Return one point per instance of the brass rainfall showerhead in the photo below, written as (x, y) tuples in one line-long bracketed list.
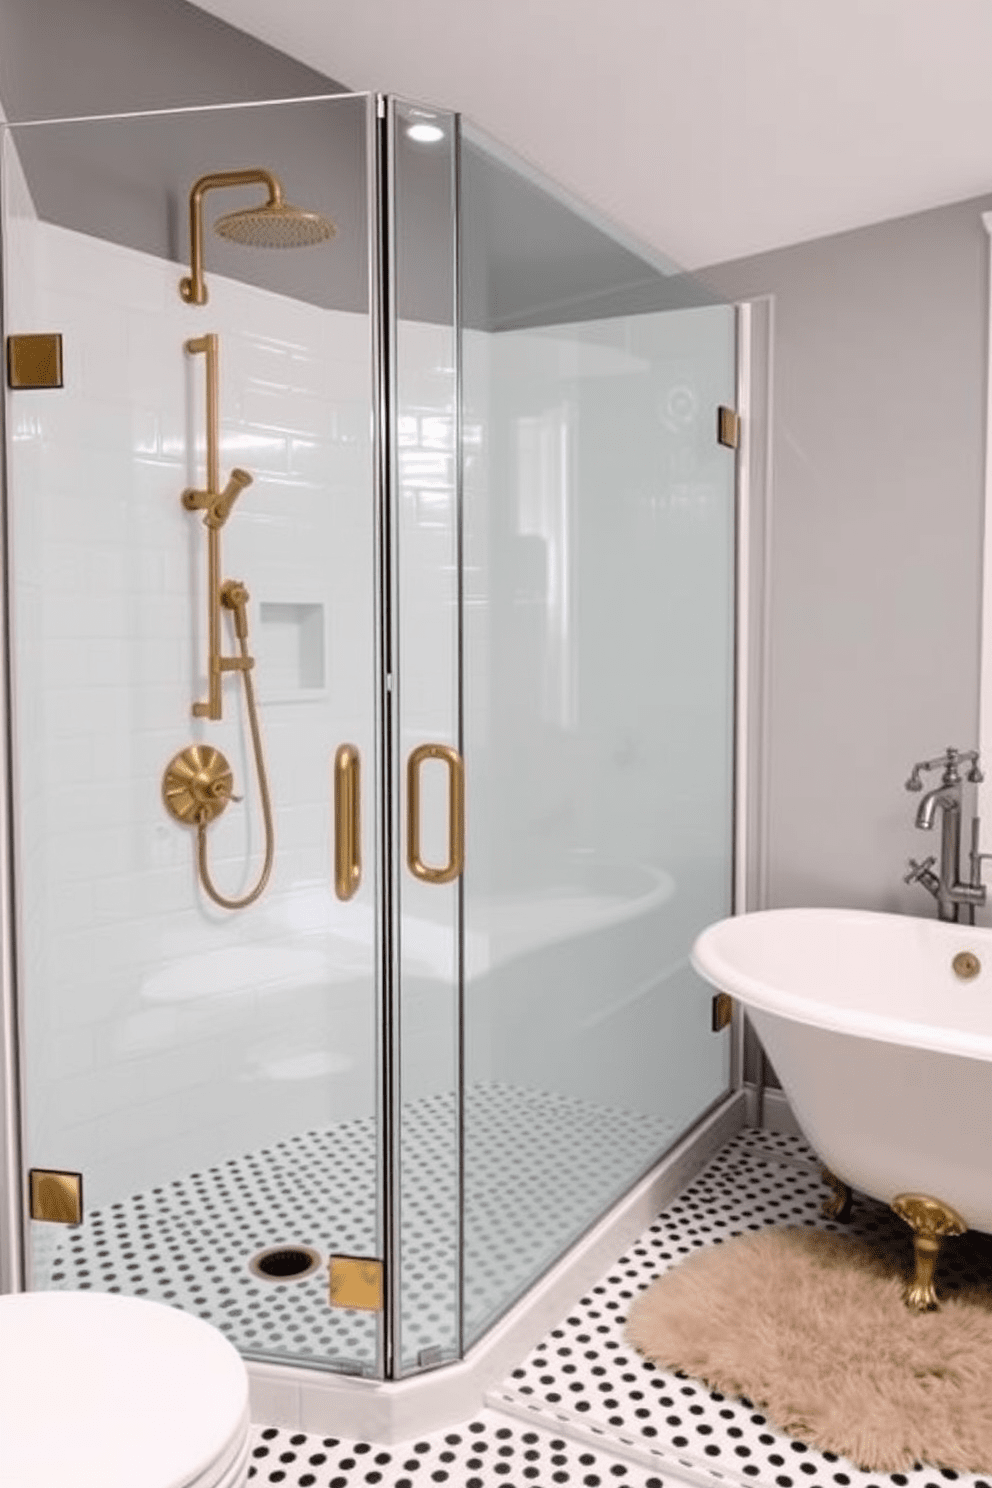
[(274, 224)]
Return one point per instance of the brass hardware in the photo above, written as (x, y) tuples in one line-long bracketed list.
[(456, 813), (355, 1281), (35, 361), (56, 1197), (728, 427), (275, 224), (931, 1221), (192, 288), (216, 505), (199, 806), (241, 630), (197, 785), (347, 821), (838, 1206), (966, 965), (196, 789), (282, 1263), (723, 1011)]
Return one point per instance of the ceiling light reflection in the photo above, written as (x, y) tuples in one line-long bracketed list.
[(425, 134)]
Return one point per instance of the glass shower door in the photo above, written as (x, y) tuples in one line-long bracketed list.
[(208, 1073), (598, 716)]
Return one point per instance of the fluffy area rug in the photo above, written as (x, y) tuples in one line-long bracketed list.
[(811, 1327)]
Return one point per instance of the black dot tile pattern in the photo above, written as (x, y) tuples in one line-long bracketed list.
[(490, 1451), (587, 1382), (539, 1166), (556, 1164)]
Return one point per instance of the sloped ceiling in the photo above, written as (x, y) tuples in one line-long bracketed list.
[(712, 129)]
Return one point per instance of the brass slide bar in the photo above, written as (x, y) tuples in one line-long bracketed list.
[(347, 822), (216, 504), (456, 813)]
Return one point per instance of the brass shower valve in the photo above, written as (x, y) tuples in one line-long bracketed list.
[(198, 785)]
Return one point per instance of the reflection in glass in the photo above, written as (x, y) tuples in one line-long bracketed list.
[(598, 688)]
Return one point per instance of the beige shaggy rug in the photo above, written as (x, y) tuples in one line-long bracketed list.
[(811, 1326)]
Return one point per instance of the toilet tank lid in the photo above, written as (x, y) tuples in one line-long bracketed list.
[(96, 1378)]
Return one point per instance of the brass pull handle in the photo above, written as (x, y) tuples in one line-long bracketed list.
[(347, 822), (456, 813)]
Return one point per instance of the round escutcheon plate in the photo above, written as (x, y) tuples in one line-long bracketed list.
[(197, 784)]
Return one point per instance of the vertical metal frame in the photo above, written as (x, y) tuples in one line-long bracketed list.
[(382, 285), (741, 611), (983, 795), (754, 321), (456, 246), (13, 1211)]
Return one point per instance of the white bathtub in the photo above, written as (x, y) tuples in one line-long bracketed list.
[(884, 1053)]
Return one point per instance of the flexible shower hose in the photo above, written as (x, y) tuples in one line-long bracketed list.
[(263, 788)]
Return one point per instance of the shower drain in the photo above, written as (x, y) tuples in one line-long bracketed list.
[(284, 1262)]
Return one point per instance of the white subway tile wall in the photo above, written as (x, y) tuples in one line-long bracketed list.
[(164, 1034)]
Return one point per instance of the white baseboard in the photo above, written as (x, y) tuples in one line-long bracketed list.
[(392, 1411)]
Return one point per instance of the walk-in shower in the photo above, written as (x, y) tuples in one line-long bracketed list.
[(462, 455)]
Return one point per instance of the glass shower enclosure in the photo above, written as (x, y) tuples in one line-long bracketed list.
[(370, 647)]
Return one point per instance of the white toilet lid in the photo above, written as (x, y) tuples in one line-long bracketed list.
[(104, 1391)]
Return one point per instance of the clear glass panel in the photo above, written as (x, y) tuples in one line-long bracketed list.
[(211, 1072), (426, 562), (598, 716)]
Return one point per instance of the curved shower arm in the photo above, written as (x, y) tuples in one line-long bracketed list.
[(191, 287)]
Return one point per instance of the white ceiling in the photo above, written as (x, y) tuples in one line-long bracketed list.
[(709, 128)]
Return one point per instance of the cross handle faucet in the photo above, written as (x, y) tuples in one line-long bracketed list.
[(956, 897)]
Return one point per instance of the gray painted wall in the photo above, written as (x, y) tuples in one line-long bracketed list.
[(879, 385), (108, 56), (534, 259)]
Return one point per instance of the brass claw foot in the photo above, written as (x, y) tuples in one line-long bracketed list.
[(930, 1221), (839, 1206)]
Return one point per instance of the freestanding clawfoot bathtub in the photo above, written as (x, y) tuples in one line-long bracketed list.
[(880, 1029)]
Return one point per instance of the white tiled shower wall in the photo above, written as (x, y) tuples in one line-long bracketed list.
[(163, 1033)]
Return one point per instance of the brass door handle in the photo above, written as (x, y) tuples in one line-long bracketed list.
[(456, 813), (347, 822)]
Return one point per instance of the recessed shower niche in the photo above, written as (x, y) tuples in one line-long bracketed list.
[(456, 1022), (291, 650)]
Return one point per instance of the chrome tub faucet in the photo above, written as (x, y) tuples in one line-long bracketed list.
[(956, 899)]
